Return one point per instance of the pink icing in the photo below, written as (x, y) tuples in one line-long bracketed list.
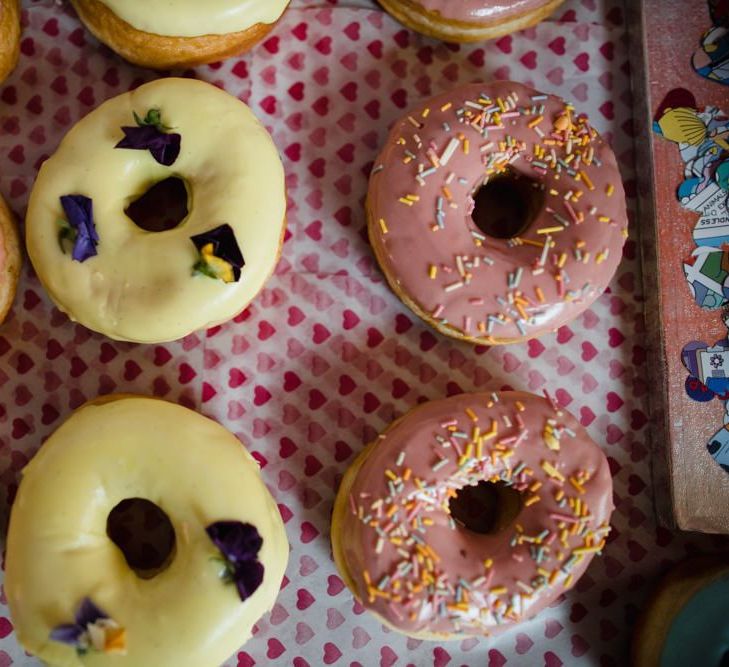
[(483, 305), (402, 469), (480, 10)]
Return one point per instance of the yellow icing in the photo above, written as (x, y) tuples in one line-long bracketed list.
[(193, 18), (140, 286), (58, 551)]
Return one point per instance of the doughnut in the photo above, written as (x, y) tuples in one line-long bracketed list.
[(74, 597), (98, 227), (496, 212), (9, 36), (684, 622), (10, 259), (471, 514), (167, 35), (469, 20)]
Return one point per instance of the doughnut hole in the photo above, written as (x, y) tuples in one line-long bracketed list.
[(162, 207), (507, 205), (486, 508), (144, 534)]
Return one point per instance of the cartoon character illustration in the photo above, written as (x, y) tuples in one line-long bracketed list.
[(718, 447), (711, 60), (708, 378), (702, 137), (707, 274), (722, 175), (708, 368)]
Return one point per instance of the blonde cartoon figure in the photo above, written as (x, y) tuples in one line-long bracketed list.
[(711, 60), (702, 138)]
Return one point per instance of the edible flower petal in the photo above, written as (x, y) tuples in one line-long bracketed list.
[(248, 578), (68, 633), (220, 255), (81, 228), (164, 147), (150, 134), (88, 613), (239, 543), (93, 630), (214, 267), (115, 641)]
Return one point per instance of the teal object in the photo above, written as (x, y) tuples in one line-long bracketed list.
[(722, 175), (699, 634)]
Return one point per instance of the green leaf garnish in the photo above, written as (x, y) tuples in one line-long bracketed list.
[(227, 571), (219, 254), (66, 234), (202, 268), (153, 118)]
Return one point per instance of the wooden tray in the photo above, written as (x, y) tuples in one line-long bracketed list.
[(691, 489)]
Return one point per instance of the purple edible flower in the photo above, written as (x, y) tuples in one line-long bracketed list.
[(248, 578), (239, 543), (80, 215), (149, 134), (70, 633), (219, 244), (164, 147)]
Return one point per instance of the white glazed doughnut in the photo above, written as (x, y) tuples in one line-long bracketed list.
[(164, 35), (140, 286), (59, 553), (192, 18)]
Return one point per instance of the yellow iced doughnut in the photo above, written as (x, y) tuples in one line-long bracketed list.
[(74, 597), (165, 34), (213, 160)]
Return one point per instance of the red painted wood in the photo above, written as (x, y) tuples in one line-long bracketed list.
[(691, 490)]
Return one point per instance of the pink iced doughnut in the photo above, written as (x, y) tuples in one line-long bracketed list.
[(471, 514), (469, 20), (496, 212)]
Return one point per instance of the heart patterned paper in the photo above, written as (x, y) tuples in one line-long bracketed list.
[(327, 356)]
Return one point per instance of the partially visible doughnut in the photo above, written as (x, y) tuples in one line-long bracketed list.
[(397, 536), (9, 36), (469, 20), (10, 259), (163, 35), (684, 622)]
